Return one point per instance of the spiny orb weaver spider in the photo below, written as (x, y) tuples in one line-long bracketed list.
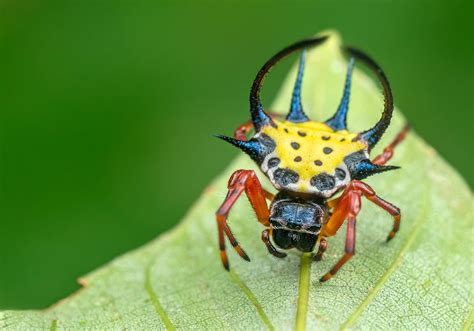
[(308, 163)]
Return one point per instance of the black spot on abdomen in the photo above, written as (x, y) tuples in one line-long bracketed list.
[(323, 182), (340, 174), (327, 150), (295, 145), (284, 177), (273, 162)]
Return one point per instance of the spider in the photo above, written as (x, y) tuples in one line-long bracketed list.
[(308, 163)]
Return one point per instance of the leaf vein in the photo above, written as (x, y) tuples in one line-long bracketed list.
[(247, 291), (156, 303), (261, 313), (54, 325), (468, 323)]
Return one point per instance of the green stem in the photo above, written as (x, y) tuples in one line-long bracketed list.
[(303, 292)]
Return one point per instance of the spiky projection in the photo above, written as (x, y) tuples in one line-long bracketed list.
[(338, 121), (296, 114)]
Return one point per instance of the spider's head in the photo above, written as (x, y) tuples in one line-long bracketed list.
[(303, 156), (296, 222)]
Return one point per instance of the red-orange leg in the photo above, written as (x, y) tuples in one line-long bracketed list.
[(333, 202), (370, 194), (269, 196), (323, 246), (241, 132), (352, 201), (348, 206), (388, 151), (240, 181)]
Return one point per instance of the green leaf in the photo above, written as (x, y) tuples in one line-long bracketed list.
[(420, 280)]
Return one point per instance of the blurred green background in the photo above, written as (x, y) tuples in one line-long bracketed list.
[(107, 110)]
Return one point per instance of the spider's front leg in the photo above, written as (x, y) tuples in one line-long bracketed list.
[(348, 206), (389, 150), (240, 181), (370, 195)]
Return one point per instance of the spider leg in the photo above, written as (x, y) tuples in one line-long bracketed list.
[(323, 246), (370, 194), (333, 202), (388, 151), (348, 206), (269, 196), (241, 132), (353, 209), (340, 210), (271, 249), (240, 181)]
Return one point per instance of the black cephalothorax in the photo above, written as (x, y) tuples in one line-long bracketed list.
[(297, 222)]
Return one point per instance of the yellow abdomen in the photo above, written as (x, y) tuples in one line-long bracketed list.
[(309, 157)]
